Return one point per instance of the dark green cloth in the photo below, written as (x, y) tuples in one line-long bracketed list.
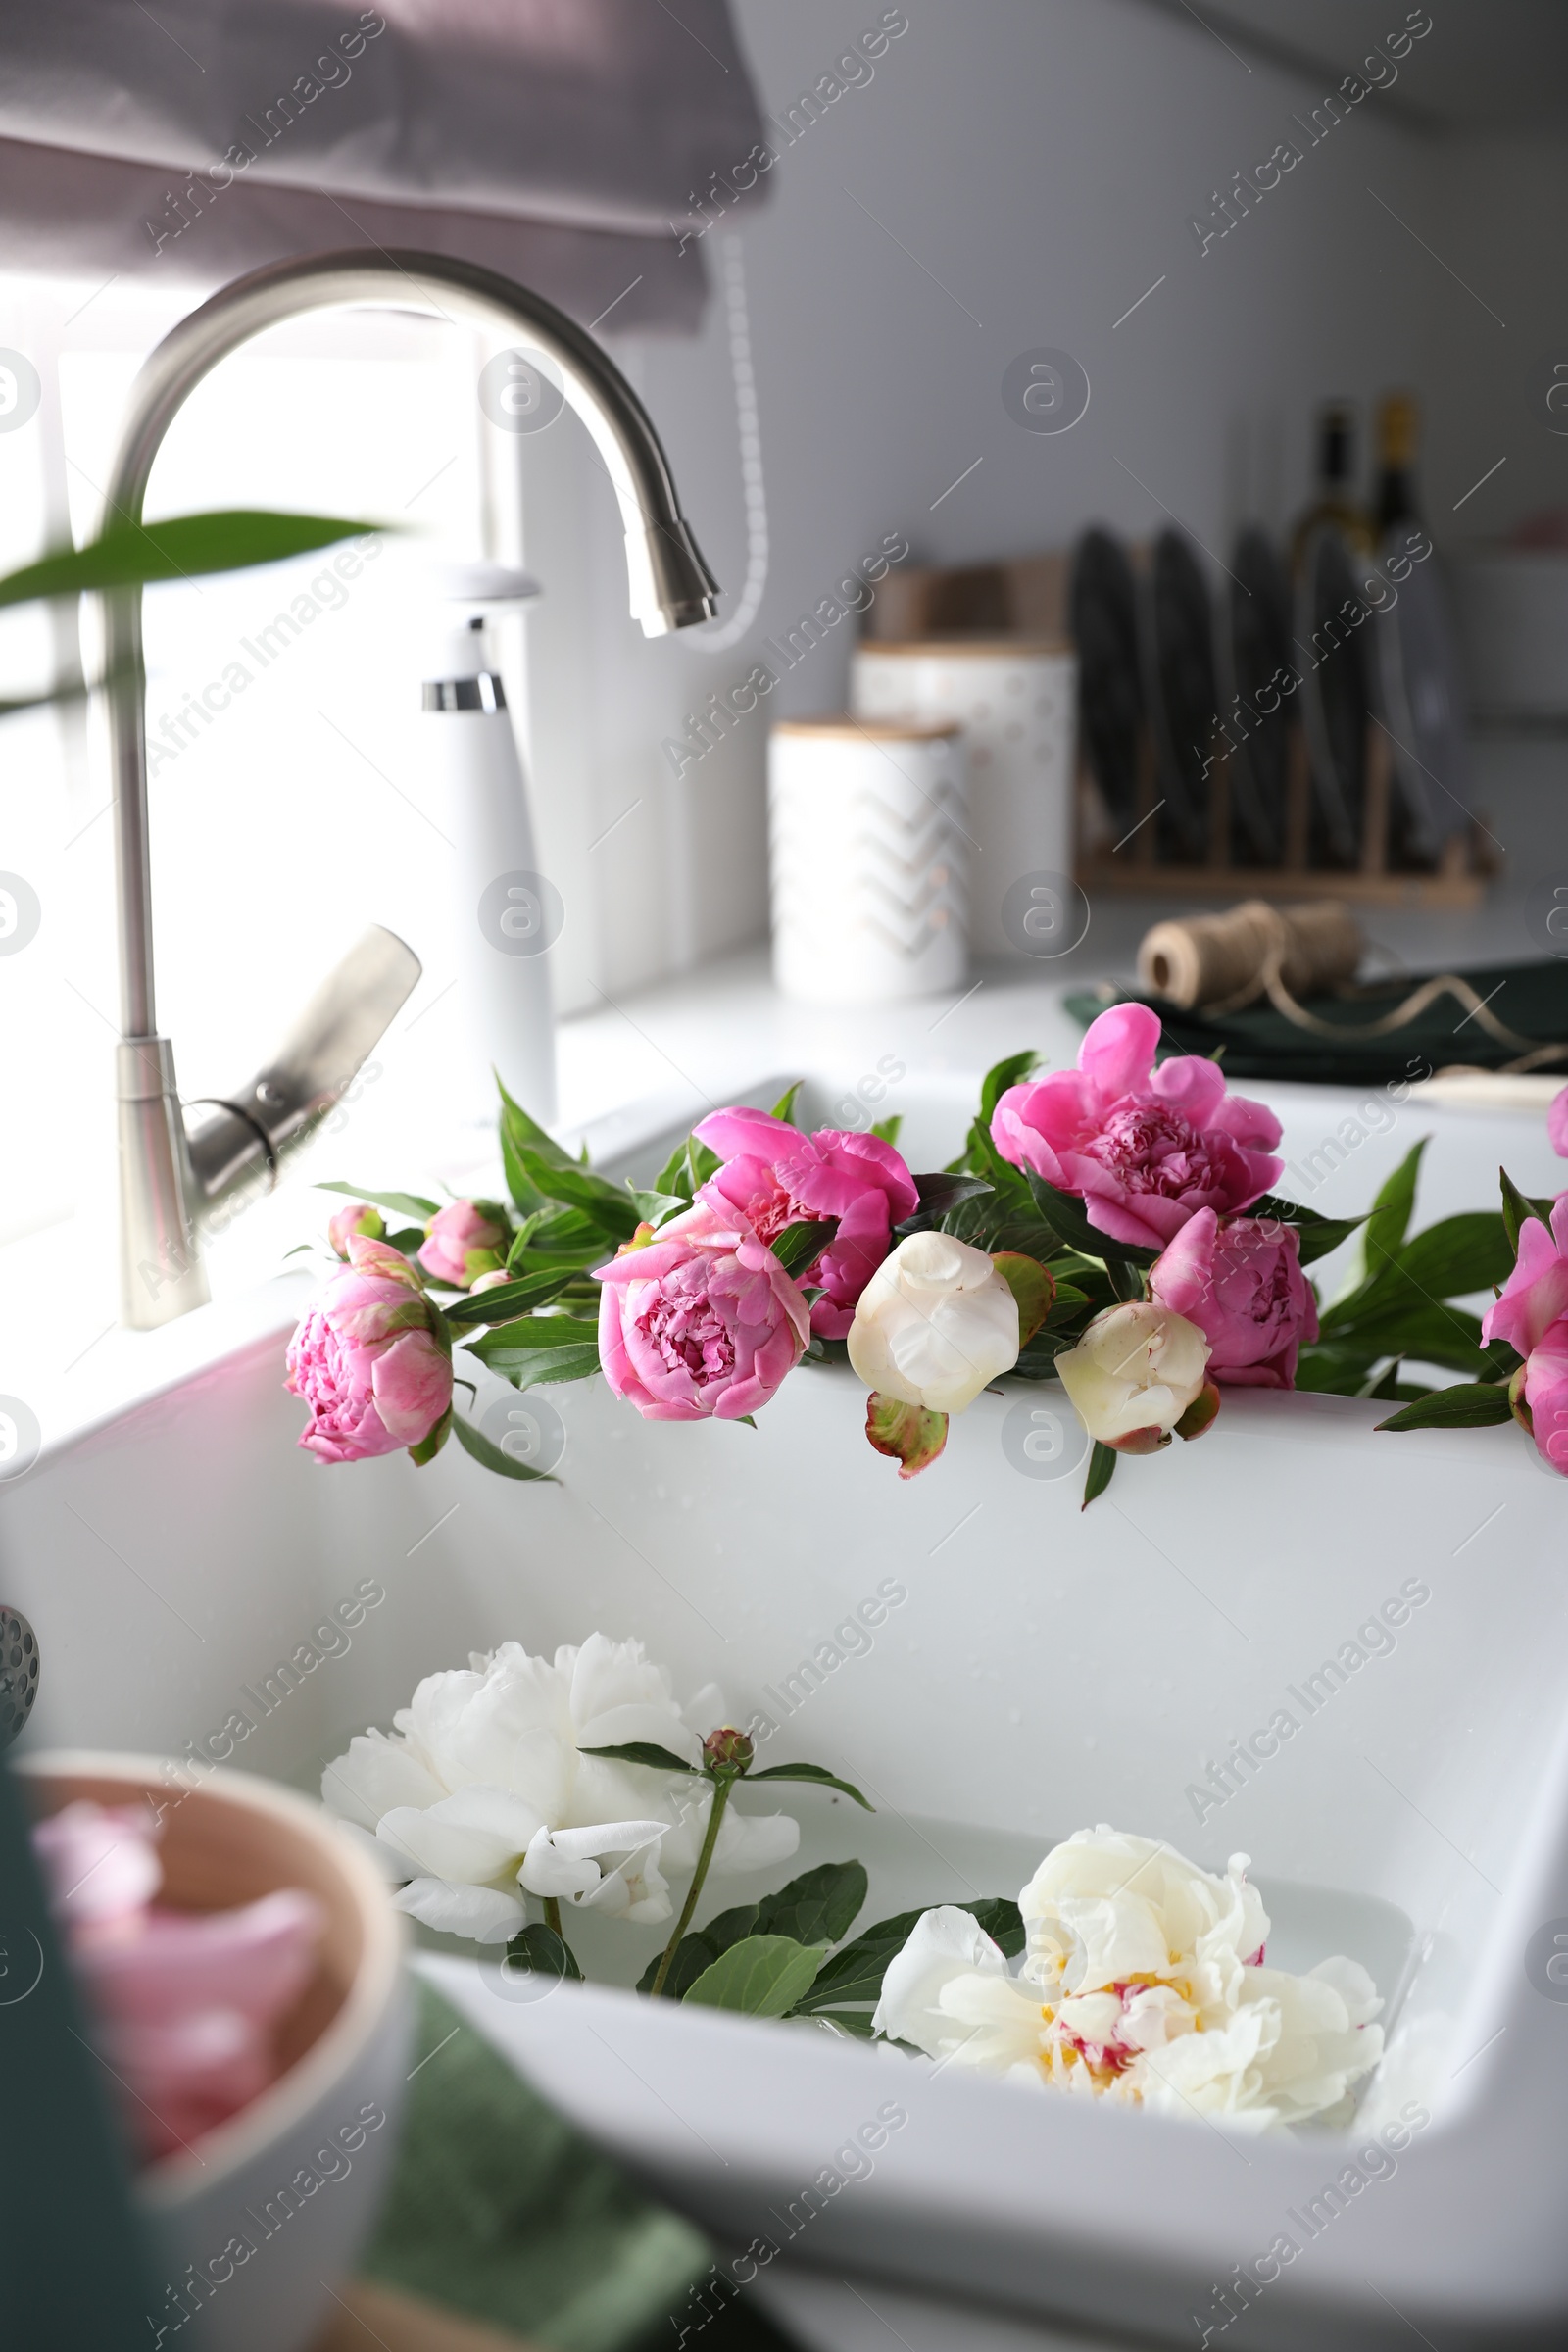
[(76, 2271), (500, 2209), (1531, 999)]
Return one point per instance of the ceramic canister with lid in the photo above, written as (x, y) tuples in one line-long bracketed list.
[(869, 835), (1015, 699)]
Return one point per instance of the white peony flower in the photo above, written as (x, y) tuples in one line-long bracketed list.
[(1143, 1980), (1135, 1372), (482, 1794), (934, 1324)]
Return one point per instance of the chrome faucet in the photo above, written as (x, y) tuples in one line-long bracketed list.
[(175, 1181)]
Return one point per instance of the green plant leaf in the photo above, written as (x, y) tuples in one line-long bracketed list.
[(784, 1107), (542, 1951), (818, 1907), (699, 1951), (527, 1133), (886, 1131), (529, 1332), (1067, 1218), (1454, 1258), (1102, 1470), (1392, 1207), (405, 1205), (474, 1441), (799, 1245), (504, 1299), (654, 1207), (856, 1973), (609, 1205), (130, 554), (1518, 1208), (1003, 1074), (939, 1193), (763, 1975), (1475, 1404), (1033, 1288), (549, 1367), (644, 1751), (908, 1433), (1315, 1235), (809, 1772)]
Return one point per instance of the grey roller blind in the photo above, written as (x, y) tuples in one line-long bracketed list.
[(564, 140)]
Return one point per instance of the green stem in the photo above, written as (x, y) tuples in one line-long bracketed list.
[(721, 1789), (553, 1915)]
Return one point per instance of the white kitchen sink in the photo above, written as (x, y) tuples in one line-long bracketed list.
[(1048, 1669)]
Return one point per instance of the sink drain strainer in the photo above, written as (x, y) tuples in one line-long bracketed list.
[(19, 1673)]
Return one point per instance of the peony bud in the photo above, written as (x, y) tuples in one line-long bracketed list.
[(460, 1241), (935, 1323), (1134, 1374), (728, 1750), (358, 1218), (491, 1281)]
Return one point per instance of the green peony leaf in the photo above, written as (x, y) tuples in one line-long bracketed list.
[(784, 1107), (763, 1975), (699, 1950), (906, 1433), (474, 1441), (542, 1951), (1477, 1404), (1003, 1074), (809, 1772), (405, 1205), (506, 1300), (1102, 1470), (800, 1244), (643, 1751), (129, 554), (818, 1907)]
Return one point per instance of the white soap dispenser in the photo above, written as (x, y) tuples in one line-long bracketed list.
[(507, 915)]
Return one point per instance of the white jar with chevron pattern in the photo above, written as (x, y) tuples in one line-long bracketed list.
[(1015, 698), (869, 830)]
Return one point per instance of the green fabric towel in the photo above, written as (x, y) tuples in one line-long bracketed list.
[(499, 2209), (1531, 999)]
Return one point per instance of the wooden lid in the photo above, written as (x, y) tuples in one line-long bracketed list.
[(982, 649), (870, 730)]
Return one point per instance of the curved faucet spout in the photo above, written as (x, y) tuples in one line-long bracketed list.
[(670, 588)]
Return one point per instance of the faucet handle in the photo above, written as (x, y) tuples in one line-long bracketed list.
[(239, 1148)]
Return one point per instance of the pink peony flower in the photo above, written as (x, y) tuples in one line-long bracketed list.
[(368, 1361), (1145, 1148), (1532, 1314), (358, 1218), (1557, 1124), (183, 2002), (1242, 1284), (776, 1176), (460, 1241), (699, 1320)]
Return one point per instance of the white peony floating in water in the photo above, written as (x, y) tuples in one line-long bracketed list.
[(482, 1792), (1143, 1979)]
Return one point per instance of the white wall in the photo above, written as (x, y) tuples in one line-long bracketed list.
[(1041, 159)]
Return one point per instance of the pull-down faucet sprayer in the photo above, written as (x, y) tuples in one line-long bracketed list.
[(171, 1183)]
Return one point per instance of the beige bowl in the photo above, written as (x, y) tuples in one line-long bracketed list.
[(252, 2225)]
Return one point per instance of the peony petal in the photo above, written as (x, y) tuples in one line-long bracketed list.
[(944, 1944), (479, 1835), (481, 1913), (1118, 1050), (376, 1775)]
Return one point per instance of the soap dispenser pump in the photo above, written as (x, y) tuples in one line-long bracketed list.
[(508, 914)]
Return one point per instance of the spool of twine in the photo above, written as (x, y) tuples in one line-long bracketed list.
[(1219, 962)]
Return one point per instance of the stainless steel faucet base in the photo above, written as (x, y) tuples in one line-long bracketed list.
[(172, 1186)]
